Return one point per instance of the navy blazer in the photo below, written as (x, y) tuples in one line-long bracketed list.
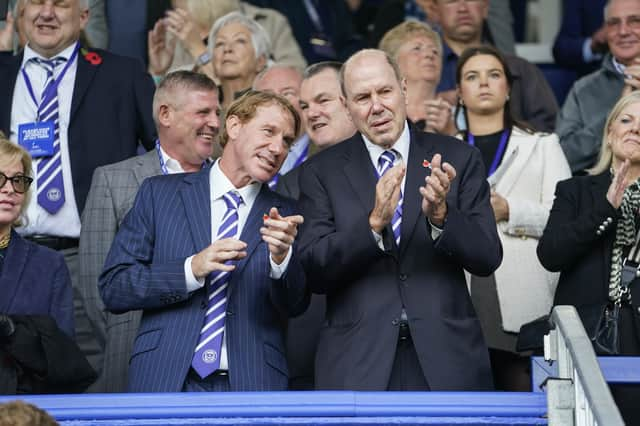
[(580, 19), (35, 281), (367, 287), (170, 221), (110, 113)]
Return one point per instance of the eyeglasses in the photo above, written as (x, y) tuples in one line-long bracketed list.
[(20, 183), (631, 21)]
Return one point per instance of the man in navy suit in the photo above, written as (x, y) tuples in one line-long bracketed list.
[(399, 315), (95, 110), (174, 258)]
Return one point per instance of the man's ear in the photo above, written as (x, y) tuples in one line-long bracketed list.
[(165, 115), (233, 126)]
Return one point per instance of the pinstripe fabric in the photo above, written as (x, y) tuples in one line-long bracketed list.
[(112, 193), (171, 220)]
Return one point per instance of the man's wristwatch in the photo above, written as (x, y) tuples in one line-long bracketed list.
[(204, 59)]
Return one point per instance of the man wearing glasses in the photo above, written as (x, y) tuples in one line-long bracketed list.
[(581, 120)]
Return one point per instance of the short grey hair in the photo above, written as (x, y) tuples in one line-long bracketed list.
[(179, 82), (259, 37)]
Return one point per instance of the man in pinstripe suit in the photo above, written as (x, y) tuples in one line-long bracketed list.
[(185, 110), (166, 253)]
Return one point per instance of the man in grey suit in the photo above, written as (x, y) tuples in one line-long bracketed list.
[(186, 113)]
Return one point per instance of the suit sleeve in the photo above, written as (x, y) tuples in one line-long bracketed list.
[(99, 226), (529, 212), (580, 136), (62, 303), (538, 103), (572, 228), (470, 236), (290, 294), (131, 279), (143, 90), (330, 255), (567, 47)]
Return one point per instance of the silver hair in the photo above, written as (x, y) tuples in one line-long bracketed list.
[(259, 37)]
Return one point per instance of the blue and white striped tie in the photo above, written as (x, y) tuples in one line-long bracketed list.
[(385, 162), (206, 358), (49, 169)]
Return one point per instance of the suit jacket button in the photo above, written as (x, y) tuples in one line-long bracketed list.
[(203, 305), (403, 277), (395, 321), (638, 309), (229, 313)]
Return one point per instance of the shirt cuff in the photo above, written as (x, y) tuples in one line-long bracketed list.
[(193, 283), (435, 230), (587, 53), (277, 271), (378, 238)]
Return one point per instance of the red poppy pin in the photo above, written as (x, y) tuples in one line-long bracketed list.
[(92, 57), (426, 164)]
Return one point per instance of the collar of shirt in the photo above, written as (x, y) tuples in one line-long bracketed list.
[(401, 147), (618, 66), (173, 165), (29, 54), (220, 185)]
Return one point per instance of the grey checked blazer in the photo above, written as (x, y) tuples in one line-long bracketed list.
[(113, 190)]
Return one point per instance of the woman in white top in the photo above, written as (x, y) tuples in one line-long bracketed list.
[(523, 167)]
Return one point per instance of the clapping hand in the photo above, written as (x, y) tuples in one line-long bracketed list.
[(434, 192)]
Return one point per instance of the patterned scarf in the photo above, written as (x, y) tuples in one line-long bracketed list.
[(625, 237)]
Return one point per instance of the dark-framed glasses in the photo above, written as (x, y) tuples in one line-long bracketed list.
[(20, 183)]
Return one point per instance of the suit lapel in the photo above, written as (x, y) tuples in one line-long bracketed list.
[(419, 150), (196, 200), (12, 270), (148, 165), (251, 230), (7, 86), (520, 147), (362, 177), (84, 76)]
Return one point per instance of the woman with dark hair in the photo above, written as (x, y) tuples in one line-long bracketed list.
[(523, 167), (592, 236)]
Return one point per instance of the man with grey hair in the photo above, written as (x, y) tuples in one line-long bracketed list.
[(581, 121), (186, 112), (393, 218), (74, 109)]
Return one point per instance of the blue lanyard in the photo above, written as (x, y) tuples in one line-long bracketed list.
[(163, 166), (499, 152), (53, 88)]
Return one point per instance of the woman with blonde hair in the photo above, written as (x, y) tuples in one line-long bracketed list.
[(592, 240), (417, 49), (34, 279)]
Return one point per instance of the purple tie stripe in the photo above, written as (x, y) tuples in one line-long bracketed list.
[(385, 163), (206, 357), (50, 185)]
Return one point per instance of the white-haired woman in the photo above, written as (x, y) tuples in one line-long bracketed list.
[(240, 49)]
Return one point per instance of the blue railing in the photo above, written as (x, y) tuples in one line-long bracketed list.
[(303, 408)]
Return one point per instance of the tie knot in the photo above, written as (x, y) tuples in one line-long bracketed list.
[(49, 65), (385, 162), (233, 200)]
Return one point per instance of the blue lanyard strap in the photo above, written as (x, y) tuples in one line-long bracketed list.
[(52, 88), (499, 152)]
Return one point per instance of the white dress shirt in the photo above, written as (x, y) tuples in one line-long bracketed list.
[(220, 185), (66, 222)]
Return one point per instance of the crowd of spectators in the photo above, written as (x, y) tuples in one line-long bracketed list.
[(99, 97)]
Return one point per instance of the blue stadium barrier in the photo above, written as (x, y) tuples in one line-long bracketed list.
[(616, 369), (295, 408)]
